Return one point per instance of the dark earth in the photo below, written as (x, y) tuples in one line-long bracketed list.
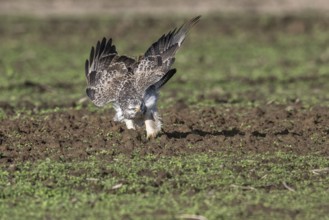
[(77, 134)]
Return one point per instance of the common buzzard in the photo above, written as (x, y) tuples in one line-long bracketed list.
[(132, 85)]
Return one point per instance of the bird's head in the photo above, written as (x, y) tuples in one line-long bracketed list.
[(133, 108)]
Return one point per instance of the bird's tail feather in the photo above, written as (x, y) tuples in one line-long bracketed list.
[(165, 79)]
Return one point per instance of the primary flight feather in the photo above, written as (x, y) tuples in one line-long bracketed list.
[(132, 85)]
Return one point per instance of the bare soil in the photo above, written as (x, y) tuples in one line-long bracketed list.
[(77, 134)]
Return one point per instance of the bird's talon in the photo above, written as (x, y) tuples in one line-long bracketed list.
[(151, 136)]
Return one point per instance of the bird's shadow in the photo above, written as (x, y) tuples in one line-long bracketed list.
[(226, 133)]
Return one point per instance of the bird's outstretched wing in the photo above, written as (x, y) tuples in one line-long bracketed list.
[(106, 73), (155, 65)]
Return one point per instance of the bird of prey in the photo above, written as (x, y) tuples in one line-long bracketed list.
[(132, 85)]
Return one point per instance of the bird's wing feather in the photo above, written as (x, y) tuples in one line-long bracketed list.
[(106, 73), (158, 59), (168, 44)]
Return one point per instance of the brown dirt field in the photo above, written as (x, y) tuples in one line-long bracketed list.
[(77, 134)]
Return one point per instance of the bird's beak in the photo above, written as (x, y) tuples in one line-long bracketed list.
[(138, 109)]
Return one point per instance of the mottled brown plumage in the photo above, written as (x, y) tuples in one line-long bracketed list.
[(133, 85)]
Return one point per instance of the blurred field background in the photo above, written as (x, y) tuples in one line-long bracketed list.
[(245, 118), (157, 7)]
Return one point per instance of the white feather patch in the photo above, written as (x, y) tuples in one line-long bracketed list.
[(150, 101), (119, 115)]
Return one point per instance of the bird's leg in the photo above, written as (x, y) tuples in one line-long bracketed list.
[(130, 124), (150, 128), (157, 120), (153, 125)]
